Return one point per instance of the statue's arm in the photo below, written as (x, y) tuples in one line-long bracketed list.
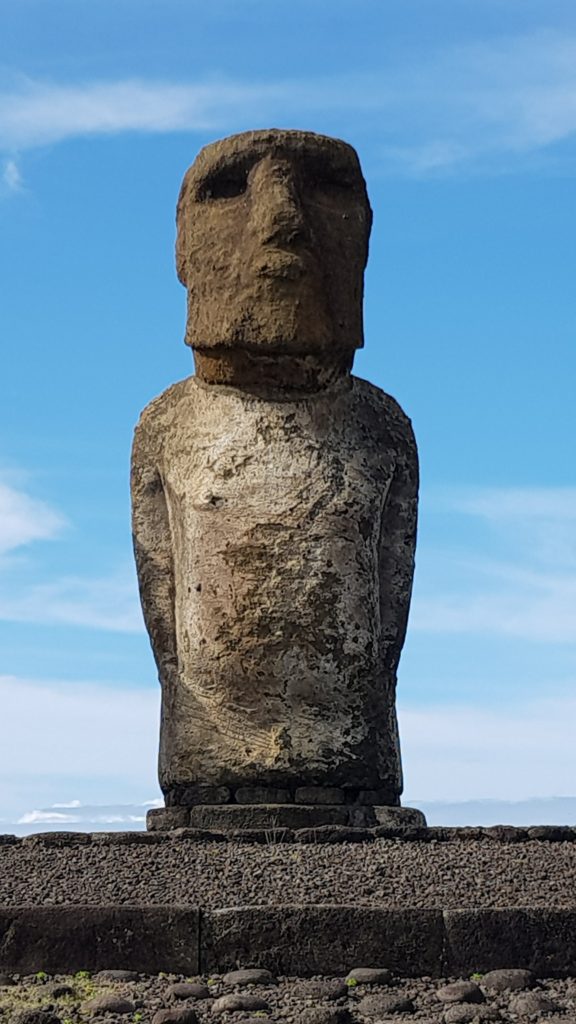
[(398, 545), (153, 548)]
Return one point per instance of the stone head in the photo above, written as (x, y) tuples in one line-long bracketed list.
[(272, 242)]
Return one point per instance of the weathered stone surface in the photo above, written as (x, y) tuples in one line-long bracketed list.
[(319, 795), (370, 976), (532, 1004), (109, 1004), (164, 819), (543, 941), (465, 1013), (262, 795), (238, 1001), (263, 816), (178, 1015), (188, 990), (111, 975), (274, 495), (249, 976), (190, 796), (324, 1015), (321, 990), (460, 992), (383, 1003), (313, 940), (508, 980), (65, 939), (399, 817)]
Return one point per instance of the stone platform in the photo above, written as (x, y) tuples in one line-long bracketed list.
[(275, 819), (421, 901)]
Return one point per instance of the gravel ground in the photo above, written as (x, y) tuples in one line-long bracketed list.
[(386, 872), (505, 996)]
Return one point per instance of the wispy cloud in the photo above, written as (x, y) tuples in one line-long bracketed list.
[(11, 180), (513, 751), (515, 579), (78, 732), (24, 519), (484, 105), (107, 603)]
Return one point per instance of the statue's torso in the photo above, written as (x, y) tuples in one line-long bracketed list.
[(275, 512)]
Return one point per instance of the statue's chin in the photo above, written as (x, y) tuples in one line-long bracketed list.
[(267, 372)]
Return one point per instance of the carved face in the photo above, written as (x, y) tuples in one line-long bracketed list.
[(272, 242)]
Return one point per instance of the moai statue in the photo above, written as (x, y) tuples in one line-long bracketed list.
[(274, 504)]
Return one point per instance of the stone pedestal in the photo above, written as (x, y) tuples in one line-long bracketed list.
[(273, 817)]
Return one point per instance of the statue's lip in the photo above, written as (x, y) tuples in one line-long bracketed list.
[(280, 263)]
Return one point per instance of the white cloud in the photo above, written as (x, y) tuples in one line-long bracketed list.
[(109, 603), (24, 519), (480, 105), (78, 732), (516, 580), (11, 177), (512, 751)]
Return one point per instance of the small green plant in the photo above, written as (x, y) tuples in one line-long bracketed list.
[(137, 1017), (67, 1020), (476, 976), (82, 975), (41, 976), (211, 981), (351, 982)]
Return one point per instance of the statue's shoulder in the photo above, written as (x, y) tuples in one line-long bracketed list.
[(386, 414), (163, 408)]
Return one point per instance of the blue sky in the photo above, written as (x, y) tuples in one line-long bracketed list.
[(464, 116)]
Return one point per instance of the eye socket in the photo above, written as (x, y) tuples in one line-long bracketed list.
[(224, 185)]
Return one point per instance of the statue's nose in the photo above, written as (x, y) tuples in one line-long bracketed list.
[(276, 208)]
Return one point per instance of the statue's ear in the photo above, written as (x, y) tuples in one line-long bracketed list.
[(182, 233)]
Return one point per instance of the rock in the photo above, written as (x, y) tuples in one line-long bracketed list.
[(460, 992), (179, 1015), (109, 1004), (464, 1013), (236, 1001), (323, 1015), (35, 1017), (60, 991), (370, 976), (532, 1004), (249, 976), (384, 1003), (118, 975), (188, 990), (6, 981), (324, 989), (508, 979)]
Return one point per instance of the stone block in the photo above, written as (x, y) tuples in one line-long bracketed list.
[(163, 819), (305, 941), (65, 939), (399, 817), (319, 795), (262, 795), (266, 816), (190, 796), (540, 940)]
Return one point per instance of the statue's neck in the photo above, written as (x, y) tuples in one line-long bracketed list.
[(273, 374)]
